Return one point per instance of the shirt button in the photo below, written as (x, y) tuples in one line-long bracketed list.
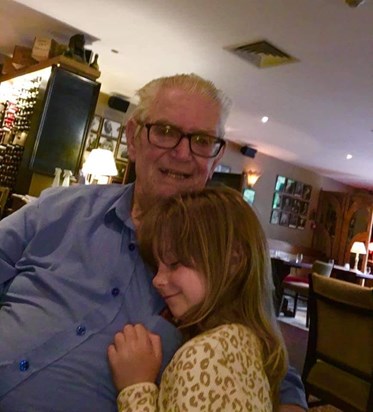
[(80, 330), (131, 247), (23, 365), (115, 291)]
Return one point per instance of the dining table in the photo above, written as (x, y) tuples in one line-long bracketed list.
[(281, 267), (351, 275)]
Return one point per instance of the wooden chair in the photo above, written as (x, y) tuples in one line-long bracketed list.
[(279, 271), (338, 367), (297, 287)]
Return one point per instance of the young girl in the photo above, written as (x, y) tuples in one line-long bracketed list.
[(213, 271)]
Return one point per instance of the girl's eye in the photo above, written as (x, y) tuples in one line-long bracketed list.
[(173, 265)]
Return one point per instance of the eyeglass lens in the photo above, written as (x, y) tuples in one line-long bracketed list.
[(168, 137)]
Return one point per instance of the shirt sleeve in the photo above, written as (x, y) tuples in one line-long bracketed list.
[(292, 390), (139, 397), (218, 377), (16, 231)]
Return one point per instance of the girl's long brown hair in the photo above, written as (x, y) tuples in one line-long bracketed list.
[(216, 232)]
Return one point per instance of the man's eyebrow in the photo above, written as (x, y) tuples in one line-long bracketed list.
[(166, 122), (162, 121)]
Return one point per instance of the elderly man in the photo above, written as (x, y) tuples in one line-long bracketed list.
[(70, 272)]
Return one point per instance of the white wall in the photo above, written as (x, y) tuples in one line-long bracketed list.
[(269, 168)]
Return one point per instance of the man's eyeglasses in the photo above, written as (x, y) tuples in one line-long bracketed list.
[(168, 137)]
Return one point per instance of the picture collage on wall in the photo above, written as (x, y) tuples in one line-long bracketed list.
[(111, 135), (290, 204)]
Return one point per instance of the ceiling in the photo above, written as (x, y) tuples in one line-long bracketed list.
[(320, 107)]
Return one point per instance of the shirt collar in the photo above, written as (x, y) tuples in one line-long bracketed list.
[(122, 207)]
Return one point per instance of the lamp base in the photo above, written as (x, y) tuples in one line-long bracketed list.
[(97, 180)]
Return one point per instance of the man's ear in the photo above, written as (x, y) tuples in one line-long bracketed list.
[(131, 128), (217, 160)]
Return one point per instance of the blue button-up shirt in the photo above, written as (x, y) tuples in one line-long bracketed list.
[(71, 277)]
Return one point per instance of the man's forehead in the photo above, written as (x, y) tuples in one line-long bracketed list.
[(176, 93), (181, 107)]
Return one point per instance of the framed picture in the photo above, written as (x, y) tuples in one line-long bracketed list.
[(301, 223), (295, 207), (280, 183), (293, 221), (298, 190), (249, 196), (123, 136), (290, 186), (286, 203), (106, 143), (275, 217), (95, 125), (91, 141), (110, 128), (121, 166), (222, 169), (284, 219), (303, 210), (307, 192), (122, 153), (276, 204)]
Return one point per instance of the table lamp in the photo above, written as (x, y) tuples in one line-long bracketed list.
[(359, 249), (99, 165)]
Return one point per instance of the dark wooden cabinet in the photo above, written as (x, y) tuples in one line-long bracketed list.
[(342, 219), (58, 121)]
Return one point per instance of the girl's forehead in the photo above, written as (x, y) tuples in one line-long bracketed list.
[(164, 250)]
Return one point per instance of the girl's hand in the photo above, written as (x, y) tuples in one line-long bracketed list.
[(135, 356)]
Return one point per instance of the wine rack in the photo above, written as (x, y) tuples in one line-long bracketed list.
[(45, 112), (16, 110), (10, 158)]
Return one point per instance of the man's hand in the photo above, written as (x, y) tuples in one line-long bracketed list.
[(135, 356), (290, 408)]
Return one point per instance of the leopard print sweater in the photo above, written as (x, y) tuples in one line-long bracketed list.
[(219, 370)]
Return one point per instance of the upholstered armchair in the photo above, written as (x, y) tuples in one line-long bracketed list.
[(338, 367)]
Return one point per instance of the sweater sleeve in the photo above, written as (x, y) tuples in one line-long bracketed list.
[(139, 397), (216, 373)]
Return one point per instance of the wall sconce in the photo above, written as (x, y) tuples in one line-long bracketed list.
[(359, 249), (251, 177), (354, 3), (99, 165)]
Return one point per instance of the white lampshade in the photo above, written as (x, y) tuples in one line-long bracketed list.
[(358, 247), (100, 162)]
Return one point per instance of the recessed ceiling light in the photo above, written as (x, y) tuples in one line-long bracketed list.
[(349, 156), (264, 119)]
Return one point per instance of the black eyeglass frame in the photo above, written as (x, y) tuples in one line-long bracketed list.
[(189, 136)]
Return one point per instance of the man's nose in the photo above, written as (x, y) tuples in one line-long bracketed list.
[(182, 150)]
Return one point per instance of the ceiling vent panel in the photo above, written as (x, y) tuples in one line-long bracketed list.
[(262, 54)]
